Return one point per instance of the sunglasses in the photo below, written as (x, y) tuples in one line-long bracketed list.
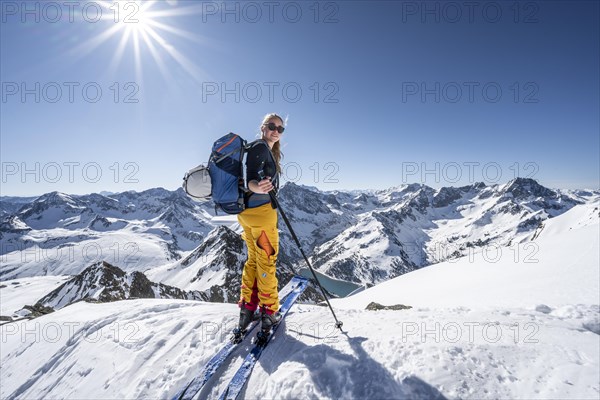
[(272, 127)]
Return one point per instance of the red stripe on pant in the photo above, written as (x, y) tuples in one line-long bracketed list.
[(253, 305)]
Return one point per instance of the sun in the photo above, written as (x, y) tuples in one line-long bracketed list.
[(139, 30)]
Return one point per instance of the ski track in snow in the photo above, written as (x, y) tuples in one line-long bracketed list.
[(63, 356)]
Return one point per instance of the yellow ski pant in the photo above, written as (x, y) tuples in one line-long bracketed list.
[(259, 283)]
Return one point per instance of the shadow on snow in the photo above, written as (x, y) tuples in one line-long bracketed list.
[(338, 375)]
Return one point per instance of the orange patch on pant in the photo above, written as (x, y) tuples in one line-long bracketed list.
[(263, 243)]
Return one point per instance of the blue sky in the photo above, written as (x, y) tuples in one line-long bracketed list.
[(377, 94)]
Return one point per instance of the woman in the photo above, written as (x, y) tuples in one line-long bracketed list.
[(259, 221)]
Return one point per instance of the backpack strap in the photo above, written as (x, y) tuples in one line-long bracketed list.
[(247, 147), (254, 143), (263, 142)]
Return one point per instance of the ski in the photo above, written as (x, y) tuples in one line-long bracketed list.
[(196, 384), (240, 378)]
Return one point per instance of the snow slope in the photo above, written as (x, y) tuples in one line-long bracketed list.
[(475, 331), (125, 247), (16, 293)]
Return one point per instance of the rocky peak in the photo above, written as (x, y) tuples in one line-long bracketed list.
[(397, 193), (47, 201), (311, 201), (56, 199), (421, 199), (448, 195), (104, 282), (523, 188), (221, 240), (103, 202)]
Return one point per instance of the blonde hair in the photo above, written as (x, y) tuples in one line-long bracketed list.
[(276, 150)]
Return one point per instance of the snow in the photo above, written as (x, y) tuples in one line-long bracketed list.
[(65, 234), (126, 248), (174, 274), (477, 329), (16, 293), (195, 271), (409, 227), (513, 276)]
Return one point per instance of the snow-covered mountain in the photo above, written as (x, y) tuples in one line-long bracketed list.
[(213, 268), (11, 204), (63, 234), (104, 282), (524, 323), (359, 237), (384, 234), (100, 282)]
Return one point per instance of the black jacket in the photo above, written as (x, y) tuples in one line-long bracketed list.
[(260, 159)]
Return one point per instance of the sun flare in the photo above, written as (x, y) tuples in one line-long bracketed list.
[(144, 27)]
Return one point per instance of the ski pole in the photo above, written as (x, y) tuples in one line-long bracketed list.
[(273, 195)]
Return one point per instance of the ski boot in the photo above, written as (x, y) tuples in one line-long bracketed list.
[(246, 316), (268, 322)]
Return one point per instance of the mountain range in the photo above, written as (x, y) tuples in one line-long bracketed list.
[(511, 326), (353, 238)]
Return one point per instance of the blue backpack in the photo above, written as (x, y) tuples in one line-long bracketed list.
[(222, 179)]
